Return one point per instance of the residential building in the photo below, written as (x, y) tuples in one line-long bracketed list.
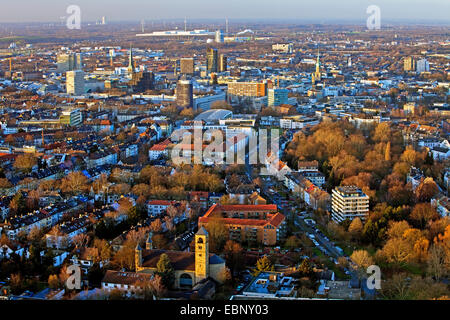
[(252, 223), (349, 202)]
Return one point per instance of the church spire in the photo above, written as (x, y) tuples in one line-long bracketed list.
[(317, 75), (131, 61)]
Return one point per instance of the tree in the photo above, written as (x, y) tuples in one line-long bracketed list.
[(159, 241), (16, 283), (104, 249), (233, 256), (152, 287), (25, 162), (426, 190), (187, 113), (53, 281), (305, 268), (10, 140), (221, 105), (263, 264), (387, 152), (382, 132), (397, 229), (165, 270), (218, 234), (80, 240), (4, 183), (224, 276), (124, 258), (292, 242), (35, 234), (116, 294), (396, 251), (356, 228), (75, 183), (156, 225), (361, 258), (396, 287), (422, 214)]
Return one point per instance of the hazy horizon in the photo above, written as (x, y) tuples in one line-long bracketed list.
[(319, 11)]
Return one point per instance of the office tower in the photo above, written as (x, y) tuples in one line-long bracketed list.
[(142, 81), (277, 96), (68, 62), (409, 64), (246, 89), (222, 63), (219, 36), (423, 66), (185, 94), (349, 202), (75, 82), (103, 20), (211, 60), (71, 117), (187, 66)]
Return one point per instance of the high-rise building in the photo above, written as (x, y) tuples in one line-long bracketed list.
[(277, 96), (409, 64), (211, 60), (75, 82), (246, 89), (222, 63), (185, 93), (71, 117), (219, 38), (103, 20), (142, 81), (349, 202), (68, 62), (187, 66), (422, 66)]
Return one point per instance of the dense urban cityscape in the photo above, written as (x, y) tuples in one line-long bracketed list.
[(227, 160)]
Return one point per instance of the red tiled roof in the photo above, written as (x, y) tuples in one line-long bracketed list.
[(274, 219), (159, 203), (158, 147)]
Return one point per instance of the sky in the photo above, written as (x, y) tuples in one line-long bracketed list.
[(321, 11)]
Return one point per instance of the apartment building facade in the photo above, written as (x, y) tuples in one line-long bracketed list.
[(349, 202)]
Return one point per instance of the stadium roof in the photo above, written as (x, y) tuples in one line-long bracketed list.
[(214, 115)]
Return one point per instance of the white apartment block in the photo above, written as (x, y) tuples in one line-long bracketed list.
[(349, 202)]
